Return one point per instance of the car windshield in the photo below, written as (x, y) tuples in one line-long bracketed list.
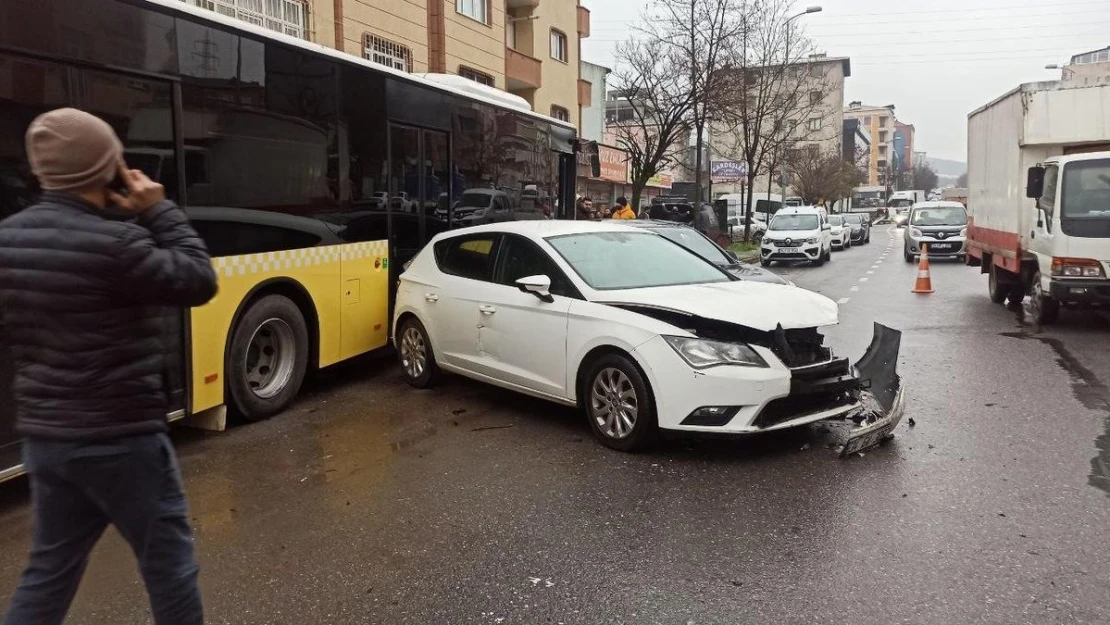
[(794, 222), (853, 219), (836, 220), (897, 203), (472, 200), (697, 243), (1086, 191), (942, 216), (632, 260)]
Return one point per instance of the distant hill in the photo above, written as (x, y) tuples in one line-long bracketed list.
[(946, 168)]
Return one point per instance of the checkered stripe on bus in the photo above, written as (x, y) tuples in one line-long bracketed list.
[(298, 259)]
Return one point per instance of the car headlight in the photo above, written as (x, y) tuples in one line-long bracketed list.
[(1077, 268), (701, 353), (811, 240), (915, 233), (963, 232)]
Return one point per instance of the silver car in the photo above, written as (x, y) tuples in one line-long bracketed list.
[(939, 226)]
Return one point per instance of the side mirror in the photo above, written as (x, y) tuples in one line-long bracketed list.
[(540, 286), (826, 226), (1034, 182)]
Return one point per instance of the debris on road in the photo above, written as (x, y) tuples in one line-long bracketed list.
[(911, 422), (491, 427)]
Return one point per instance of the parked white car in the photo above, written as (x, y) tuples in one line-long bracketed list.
[(797, 234), (840, 233), (633, 328)]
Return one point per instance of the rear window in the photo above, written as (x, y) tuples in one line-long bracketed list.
[(853, 219), (467, 257)]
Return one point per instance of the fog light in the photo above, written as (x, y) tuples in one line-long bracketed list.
[(1077, 291), (711, 415)]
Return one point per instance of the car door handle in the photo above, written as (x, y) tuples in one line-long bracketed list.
[(486, 310), (431, 297)]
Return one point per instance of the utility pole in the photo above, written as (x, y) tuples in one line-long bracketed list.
[(698, 96)]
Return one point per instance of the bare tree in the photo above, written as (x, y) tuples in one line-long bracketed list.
[(765, 98), (922, 176), (702, 33), (652, 121), (822, 176)]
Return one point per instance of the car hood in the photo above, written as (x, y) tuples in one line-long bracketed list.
[(752, 272), (797, 235), (757, 305)]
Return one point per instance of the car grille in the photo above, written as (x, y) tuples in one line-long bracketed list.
[(792, 243), (790, 407)]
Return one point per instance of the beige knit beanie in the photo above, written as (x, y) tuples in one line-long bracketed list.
[(71, 150)]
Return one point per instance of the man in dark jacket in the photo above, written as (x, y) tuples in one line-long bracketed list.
[(86, 276)]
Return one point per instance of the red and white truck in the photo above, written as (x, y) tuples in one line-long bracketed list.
[(1039, 194)]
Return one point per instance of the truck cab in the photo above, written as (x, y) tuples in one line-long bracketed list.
[(1069, 240)]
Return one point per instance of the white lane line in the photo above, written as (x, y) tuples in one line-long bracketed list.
[(854, 289), (870, 272), (843, 300), (864, 279)]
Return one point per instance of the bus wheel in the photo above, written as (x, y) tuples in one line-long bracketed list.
[(268, 358)]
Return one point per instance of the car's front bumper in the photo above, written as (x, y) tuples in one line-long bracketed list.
[(761, 399), (947, 248), (806, 251)]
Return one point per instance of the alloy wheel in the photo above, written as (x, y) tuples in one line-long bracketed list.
[(613, 403), (414, 352)]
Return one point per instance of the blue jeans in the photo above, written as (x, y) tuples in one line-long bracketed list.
[(77, 489)]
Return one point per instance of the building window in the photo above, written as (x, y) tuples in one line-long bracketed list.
[(475, 75), (386, 52), (558, 46), (814, 123), (815, 97), (475, 9), (882, 136), (815, 71), (866, 120), (882, 121), (560, 113), (283, 16)]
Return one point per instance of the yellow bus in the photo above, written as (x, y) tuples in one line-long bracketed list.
[(312, 175)]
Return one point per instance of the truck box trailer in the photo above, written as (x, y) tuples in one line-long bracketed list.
[(1039, 194)]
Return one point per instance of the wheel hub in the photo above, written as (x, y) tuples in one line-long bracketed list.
[(614, 405), (271, 358), (414, 352)]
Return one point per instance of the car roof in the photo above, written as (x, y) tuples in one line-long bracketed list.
[(545, 227), (938, 204)]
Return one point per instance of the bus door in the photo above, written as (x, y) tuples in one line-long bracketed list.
[(9, 447), (419, 190)]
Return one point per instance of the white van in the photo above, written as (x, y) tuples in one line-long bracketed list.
[(797, 233)]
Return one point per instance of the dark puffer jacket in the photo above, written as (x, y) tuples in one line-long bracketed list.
[(83, 303)]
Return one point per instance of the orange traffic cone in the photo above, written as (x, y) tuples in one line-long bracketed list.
[(924, 282)]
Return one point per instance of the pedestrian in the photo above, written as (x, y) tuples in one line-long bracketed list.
[(585, 209), (88, 277), (623, 210)]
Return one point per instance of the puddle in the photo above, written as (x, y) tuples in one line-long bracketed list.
[(1089, 391)]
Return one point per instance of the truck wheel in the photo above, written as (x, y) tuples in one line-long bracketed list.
[(998, 290), (268, 358), (1044, 309)]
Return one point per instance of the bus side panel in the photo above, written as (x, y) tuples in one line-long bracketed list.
[(316, 269), (365, 322)]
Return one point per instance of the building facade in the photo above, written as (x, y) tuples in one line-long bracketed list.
[(817, 124), (904, 147), (530, 48), (592, 127), (879, 121)]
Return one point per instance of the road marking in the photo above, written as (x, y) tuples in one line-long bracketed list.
[(870, 272), (863, 279), (854, 289), (843, 300)]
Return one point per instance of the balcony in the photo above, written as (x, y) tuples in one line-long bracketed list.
[(583, 22), (521, 71), (519, 4), (585, 92)]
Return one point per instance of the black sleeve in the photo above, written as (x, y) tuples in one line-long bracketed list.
[(165, 261)]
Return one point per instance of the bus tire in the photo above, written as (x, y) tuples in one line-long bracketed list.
[(268, 358)]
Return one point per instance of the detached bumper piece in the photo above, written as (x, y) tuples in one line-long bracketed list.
[(884, 400)]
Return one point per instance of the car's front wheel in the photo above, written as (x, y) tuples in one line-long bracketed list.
[(765, 262), (619, 405)]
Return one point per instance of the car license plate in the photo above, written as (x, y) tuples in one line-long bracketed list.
[(872, 434), (789, 250), (939, 247)]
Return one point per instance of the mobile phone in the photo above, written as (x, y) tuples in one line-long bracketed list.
[(118, 185)]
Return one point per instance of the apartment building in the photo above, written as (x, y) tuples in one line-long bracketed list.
[(530, 48), (879, 121), (817, 123)]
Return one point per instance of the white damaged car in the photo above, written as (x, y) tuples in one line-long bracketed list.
[(637, 331)]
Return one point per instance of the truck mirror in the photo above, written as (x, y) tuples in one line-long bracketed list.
[(1034, 182)]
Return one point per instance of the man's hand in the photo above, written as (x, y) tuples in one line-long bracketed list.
[(142, 192)]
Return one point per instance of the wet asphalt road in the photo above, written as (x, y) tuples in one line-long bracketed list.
[(370, 502)]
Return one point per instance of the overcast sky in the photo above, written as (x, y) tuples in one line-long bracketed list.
[(935, 61)]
